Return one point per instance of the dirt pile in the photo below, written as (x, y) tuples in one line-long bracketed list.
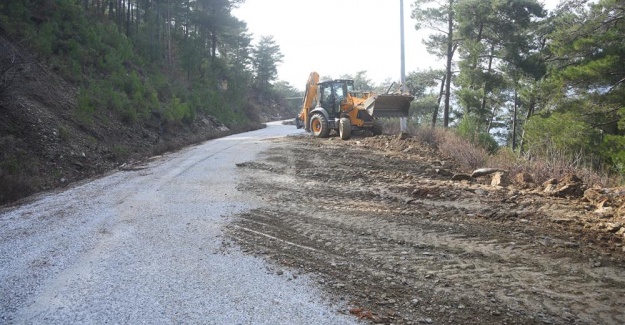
[(385, 229)]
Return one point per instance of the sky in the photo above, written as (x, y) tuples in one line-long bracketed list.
[(336, 37)]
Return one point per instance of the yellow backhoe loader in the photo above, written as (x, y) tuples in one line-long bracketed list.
[(336, 105)]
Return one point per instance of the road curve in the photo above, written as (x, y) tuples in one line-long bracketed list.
[(144, 246)]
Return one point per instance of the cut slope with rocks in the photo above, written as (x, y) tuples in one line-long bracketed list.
[(46, 142)]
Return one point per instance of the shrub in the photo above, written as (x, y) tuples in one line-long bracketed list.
[(463, 151), (469, 129), (612, 149), (430, 136), (177, 111), (559, 135)]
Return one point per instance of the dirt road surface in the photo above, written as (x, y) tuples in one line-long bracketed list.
[(380, 227), (144, 246)]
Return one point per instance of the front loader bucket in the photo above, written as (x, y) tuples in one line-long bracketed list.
[(389, 105)]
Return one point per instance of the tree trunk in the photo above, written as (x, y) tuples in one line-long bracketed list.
[(168, 31), (120, 15), (438, 102), (137, 18), (530, 112), (485, 91), (516, 107), (450, 45), (186, 25), (213, 45), (128, 15), (111, 11), (492, 117)]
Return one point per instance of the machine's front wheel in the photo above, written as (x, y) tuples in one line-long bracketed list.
[(345, 128), (319, 126)]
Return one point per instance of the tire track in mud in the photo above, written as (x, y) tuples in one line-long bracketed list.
[(344, 214)]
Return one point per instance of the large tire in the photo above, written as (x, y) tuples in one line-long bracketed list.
[(319, 126), (345, 128), (377, 128)]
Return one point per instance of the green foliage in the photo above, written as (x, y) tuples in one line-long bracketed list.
[(266, 57), (423, 82), (131, 68), (588, 41), (120, 152), (564, 134), (64, 133), (422, 109), (470, 129), (86, 105), (177, 111), (613, 150), (433, 15)]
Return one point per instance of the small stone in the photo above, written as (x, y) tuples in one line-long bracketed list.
[(480, 192)]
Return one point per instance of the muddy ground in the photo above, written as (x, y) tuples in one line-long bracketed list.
[(392, 239)]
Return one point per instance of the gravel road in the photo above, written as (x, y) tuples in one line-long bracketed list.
[(145, 246)]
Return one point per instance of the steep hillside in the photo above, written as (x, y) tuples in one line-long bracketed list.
[(86, 86), (45, 143)]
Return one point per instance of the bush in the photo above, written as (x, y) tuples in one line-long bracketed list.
[(560, 135), (430, 136), (177, 111), (613, 151), (469, 129), (463, 151)]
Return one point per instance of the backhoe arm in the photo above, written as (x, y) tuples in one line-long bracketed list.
[(310, 99)]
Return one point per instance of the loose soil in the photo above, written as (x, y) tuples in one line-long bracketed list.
[(379, 226)]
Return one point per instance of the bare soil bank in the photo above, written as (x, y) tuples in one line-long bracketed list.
[(386, 231)]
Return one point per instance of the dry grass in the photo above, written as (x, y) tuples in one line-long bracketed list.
[(470, 157), (463, 152)]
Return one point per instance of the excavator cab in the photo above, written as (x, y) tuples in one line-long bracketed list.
[(332, 95)]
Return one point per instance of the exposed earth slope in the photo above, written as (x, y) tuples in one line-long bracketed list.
[(386, 230)]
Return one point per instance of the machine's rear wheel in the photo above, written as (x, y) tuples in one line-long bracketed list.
[(345, 128), (319, 126)]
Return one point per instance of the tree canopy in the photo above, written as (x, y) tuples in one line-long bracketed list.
[(144, 57), (532, 77)]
